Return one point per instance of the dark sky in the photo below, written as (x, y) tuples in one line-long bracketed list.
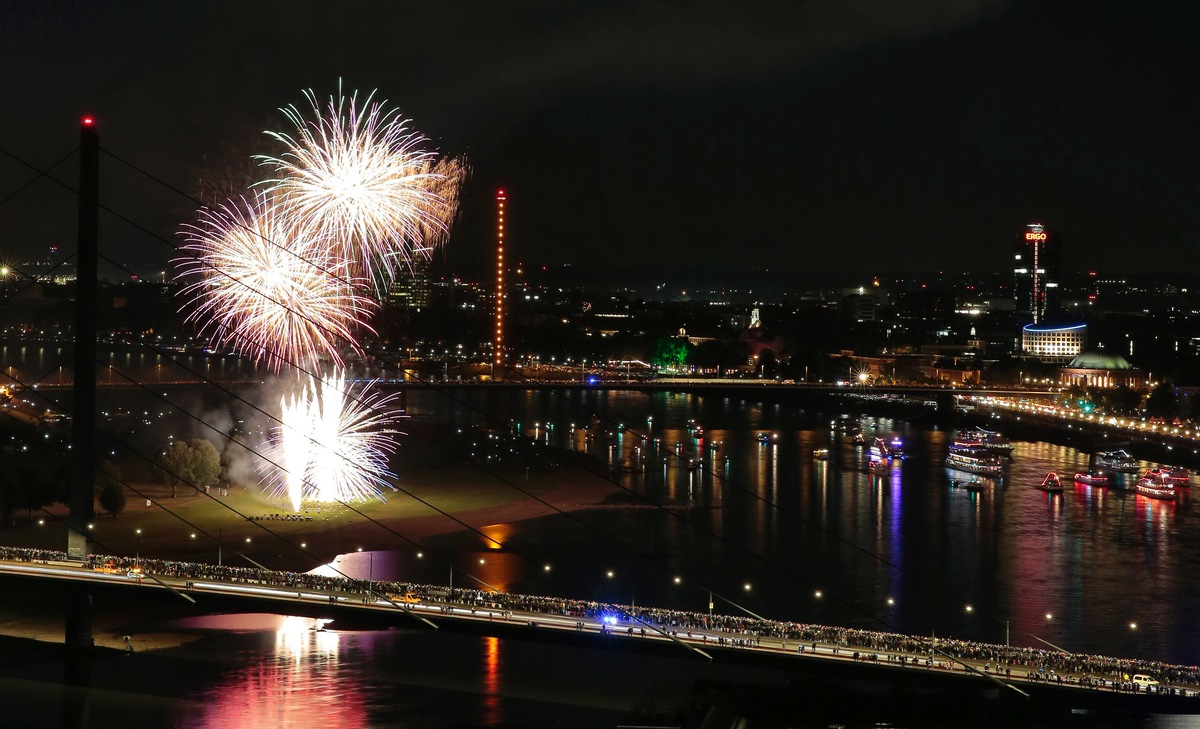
[(806, 137)]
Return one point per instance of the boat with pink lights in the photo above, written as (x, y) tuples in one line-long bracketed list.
[(1052, 483), (1156, 486), (1091, 478)]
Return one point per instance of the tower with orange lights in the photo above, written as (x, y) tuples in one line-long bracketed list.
[(498, 345)]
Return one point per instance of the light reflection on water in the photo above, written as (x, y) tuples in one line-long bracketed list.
[(1093, 558)]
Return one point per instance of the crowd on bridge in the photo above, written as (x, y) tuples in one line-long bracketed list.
[(728, 629)]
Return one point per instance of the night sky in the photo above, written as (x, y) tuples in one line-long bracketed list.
[(803, 137)]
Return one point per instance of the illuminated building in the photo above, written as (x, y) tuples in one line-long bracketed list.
[(1053, 343), (412, 289), (1036, 274), (1096, 369), (498, 341)]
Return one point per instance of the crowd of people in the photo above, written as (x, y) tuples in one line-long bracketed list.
[(1035, 663)]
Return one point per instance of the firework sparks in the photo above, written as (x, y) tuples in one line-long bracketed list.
[(361, 173), (357, 194), (269, 288), (333, 443)]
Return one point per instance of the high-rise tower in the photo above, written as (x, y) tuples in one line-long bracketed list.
[(1037, 273), (498, 341)]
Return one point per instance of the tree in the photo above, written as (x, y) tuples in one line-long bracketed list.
[(110, 489), (206, 463), (33, 490), (1162, 401), (670, 353), (1121, 400), (194, 463)]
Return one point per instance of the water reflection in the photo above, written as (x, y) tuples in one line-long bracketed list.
[(300, 677)]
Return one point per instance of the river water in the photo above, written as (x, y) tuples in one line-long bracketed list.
[(758, 525)]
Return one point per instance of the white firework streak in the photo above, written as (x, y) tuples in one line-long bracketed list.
[(362, 174), (293, 450), (268, 288), (337, 438)]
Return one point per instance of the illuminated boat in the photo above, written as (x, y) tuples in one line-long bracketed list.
[(1091, 478), (1156, 486), (1051, 483), (975, 463), (885, 448), (1118, 461), (821, 454), (987, 439)]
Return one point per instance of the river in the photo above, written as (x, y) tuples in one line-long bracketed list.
[(759, 525)]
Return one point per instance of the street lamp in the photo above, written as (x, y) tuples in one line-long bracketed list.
[(137, 559)]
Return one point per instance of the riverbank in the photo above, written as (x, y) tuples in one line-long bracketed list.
[(435, 496), (39, 615)]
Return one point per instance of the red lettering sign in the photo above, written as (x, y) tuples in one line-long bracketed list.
[(1035, 236)]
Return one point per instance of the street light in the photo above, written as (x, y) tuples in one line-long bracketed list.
[(137, 559)]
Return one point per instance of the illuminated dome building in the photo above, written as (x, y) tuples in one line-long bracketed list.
[(1097, 369)]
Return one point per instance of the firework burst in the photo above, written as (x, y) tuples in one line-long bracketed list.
[(267, 287), (360, 172), (333, 443)]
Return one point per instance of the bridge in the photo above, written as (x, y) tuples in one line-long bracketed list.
[(801, 648)]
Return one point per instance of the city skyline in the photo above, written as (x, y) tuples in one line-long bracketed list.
[(792, 136)]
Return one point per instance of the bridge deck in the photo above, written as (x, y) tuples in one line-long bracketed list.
[(435, 606)]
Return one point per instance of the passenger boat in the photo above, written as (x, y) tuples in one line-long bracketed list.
[(987, 439), (1118, 461), (1156, 486), (821, 454), (1052, 483), (985, 464), (1091, 478), (884, 448), (763, 438)]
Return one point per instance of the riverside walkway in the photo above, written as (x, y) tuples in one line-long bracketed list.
[(704, 634)]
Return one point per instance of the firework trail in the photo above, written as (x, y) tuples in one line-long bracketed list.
[(333, 444), (267, 287), (359, 172)]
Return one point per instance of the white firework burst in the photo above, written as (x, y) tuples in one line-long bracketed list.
[(360, 172), (269, 288)]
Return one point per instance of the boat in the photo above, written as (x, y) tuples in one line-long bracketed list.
[(1156, 486), (763, 438), (885, 448), (972, 485), (987, 465), (821, 454), (1052, 483), (987, 439), (1091, 478), (1118, 461)]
